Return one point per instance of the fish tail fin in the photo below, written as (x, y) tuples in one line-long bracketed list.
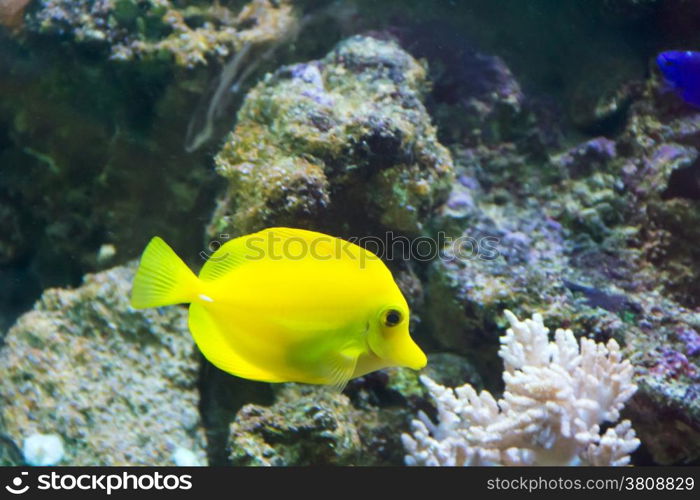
[(162, 278)]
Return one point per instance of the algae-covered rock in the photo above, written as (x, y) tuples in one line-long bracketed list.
[(191, 33), (342, 140), (664, 345), (86, 145), (310, 426), (603, 239), (10, 453), (666, 423), (660, 170), (514, 256), (636, 219), (314, 425), (117, 385)]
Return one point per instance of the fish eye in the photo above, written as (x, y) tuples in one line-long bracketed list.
[(392, 317)]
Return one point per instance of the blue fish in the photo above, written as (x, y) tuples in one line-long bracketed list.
[(681, 69)]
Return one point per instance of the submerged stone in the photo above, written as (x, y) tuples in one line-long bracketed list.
[(189, 33), (601, 238), (310, 425), (343, 141), (118, 386)]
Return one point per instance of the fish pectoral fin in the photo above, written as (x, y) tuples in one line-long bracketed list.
[(342, 367)]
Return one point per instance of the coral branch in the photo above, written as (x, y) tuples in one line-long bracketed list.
[(556, 396)]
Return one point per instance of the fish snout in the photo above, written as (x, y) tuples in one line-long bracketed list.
[(407, 353), (663, 58)]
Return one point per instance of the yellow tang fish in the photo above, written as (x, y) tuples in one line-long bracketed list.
[(286, 305)]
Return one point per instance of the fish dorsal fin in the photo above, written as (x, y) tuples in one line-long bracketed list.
[(254, 247), (321, 245), (228, 257), (235, 253), (295, 241), (281, 241)]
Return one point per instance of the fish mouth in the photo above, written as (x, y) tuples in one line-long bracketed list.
[(420, 362)]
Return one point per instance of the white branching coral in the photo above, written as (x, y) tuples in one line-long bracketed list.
[(557, 394)]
